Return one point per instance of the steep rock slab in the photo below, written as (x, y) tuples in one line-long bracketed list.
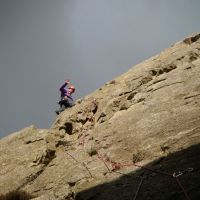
[(154, 106), (146, 117), (147, 113)]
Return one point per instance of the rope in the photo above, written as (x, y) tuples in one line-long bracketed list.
[(72, 157), (82, 142), (87, 169), (82, 163), (103, 162), (138, 189), (117, 166), (182, 188)]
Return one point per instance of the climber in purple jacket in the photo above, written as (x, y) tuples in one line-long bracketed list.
[(66, 100)]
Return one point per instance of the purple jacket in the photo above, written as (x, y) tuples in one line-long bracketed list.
[(64, 92)]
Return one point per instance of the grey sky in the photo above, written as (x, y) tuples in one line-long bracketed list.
[(43, 42)]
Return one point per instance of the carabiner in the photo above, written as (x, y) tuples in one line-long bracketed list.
[(177, 174)]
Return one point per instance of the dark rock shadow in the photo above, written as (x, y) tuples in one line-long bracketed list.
[(145, 184), (16, 195)]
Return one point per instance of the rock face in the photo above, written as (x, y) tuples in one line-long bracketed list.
[(137, 137)]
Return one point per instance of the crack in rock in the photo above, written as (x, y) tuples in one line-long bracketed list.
[(167, 85)]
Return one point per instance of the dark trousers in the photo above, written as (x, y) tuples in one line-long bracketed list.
[(64, 103)]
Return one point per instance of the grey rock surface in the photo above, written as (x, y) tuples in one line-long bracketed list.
[(148, 117)]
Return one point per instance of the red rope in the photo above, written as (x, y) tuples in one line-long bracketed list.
[(117, 166), (182, 188), (82, 142)]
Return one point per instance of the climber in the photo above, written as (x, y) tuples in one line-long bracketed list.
[(66, 100)]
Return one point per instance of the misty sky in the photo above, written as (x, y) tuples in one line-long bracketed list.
[(43, 42)]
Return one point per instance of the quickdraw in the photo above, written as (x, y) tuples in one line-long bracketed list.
[(180, 173)]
